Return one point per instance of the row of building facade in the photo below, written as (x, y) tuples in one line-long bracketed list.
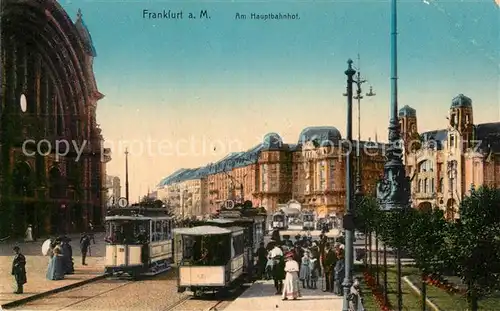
[(48, 93), (442, 164)]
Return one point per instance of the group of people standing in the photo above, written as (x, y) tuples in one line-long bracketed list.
[(61, 256), (302, 263)]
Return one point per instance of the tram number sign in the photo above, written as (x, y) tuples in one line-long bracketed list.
[(229, 204), (122, 202)]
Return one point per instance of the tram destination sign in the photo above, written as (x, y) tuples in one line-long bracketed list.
[(230, 214)]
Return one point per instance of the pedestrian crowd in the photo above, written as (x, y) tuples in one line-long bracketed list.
[(302, 264), (60, 255)]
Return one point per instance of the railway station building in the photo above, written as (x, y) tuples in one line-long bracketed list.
[(48, 94)]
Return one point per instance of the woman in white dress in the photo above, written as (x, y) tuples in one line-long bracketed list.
[(29, 234), (291, 284)]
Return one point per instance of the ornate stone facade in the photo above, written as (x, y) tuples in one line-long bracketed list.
[(272, 173), (444, 164), (48, 94)]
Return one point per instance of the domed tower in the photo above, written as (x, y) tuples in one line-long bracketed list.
[(408, 124), (461, 118), (272, 141)]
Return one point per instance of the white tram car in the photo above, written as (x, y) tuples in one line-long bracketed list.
[(254, 235), (138, 244), (212, 258), (280, 221), (308, 221)]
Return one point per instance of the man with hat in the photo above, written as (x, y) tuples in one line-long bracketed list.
[(278, 270), (329, 261), (19, 270)]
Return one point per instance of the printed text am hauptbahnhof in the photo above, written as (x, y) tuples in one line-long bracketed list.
[(270, 16)]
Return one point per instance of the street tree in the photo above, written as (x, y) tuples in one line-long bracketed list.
[(426, 237), (474, 244), (366, 219)]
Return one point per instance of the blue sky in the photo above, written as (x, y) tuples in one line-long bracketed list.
[(238, 79)]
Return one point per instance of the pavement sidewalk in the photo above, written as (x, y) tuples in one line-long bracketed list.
[(36, 268), (260, 297)]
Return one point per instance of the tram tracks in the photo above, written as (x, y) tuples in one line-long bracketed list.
[(148, 294), (207, 302)]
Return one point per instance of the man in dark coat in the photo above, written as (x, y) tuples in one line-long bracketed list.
[(261, 255), (276, 236), (279, 273), (19, 270), (328, 261), (84, 247)]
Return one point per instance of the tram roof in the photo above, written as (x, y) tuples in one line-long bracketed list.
[(137, 217), (220, 221), (207, 230)]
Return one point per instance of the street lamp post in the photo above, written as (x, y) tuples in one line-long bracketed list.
[(393, 191), (348, 221), (126, 175)]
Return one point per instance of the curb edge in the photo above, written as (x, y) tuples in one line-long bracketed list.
[(25, 300)]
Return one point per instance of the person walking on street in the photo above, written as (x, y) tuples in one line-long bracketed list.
[(261, 255), (84, 247), (329, 261), (305, 270), (55, 270), (339, 271), (278, 273), (29, 234), (291, 287), (19, 270), (91, 233), (67, 252)]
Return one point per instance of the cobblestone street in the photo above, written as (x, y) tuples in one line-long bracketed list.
[(156, 293), (36, 267)]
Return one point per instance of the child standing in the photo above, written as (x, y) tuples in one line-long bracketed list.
[(305, 270), (314, 268)]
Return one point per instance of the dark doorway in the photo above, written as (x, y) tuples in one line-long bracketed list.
[(22, 189), (77, 218), (55, 184)]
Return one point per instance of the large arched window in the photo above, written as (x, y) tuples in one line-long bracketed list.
[(425, 166)]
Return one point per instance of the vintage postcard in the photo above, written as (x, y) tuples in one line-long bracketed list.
[(250, 155)]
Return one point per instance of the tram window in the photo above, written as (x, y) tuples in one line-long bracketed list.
[(206, 250), (157, 231), (238, 244), (308, 217), (279, 218), (126, 232)]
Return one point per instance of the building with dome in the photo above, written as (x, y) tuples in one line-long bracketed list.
[(48, 92), (311, 172), (445, 164)]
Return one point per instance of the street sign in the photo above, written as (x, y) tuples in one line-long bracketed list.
[(122, 202)]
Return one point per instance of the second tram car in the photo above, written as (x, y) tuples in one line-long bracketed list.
[(280, 221), (138, 241), (212, 258), (308, 221)]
